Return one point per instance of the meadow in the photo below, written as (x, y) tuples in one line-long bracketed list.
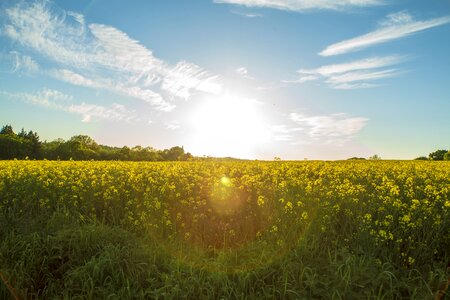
[(225, 230)]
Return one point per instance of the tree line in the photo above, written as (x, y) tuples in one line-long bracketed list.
[(27, 145), (436, 155)]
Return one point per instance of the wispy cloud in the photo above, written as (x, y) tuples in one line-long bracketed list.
[(46, 97), (243, 72), (354, 74), (147, 95), (395, 26), (89, 112), (334, 127), (101, 56), (173, 126), (303, 5), (362, 64), (246, 14), (23, 63), (284, 133), (361, 76), (57, 100), (303, 129)]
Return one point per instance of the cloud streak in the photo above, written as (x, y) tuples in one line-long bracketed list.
[(395, 26), (334, 127), (303, 5), (354, 74), (102, 57), (24, 63), (54, 99)]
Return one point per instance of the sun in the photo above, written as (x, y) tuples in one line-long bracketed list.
[(228, 126)]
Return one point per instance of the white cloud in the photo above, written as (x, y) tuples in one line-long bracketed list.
[(395, 26), (353, 86), (78, 17), (401, 17), (362, 64), (100, 56), (57, 100), (350, 74), (184, 77), (303, 78), (89, 112), (46, 97), (361, 76), (24, 63), (74, 78), (247, 15), (283, 133), (243, 72), (336, 129), (173, 126), (147, 95), (54, 35), (326, 127), (303, 5)]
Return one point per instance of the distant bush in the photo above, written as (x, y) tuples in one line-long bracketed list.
[(421, 158)]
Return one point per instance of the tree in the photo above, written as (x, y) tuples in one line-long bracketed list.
[(375, 157), (437, 155), (35, 144), (21, 145), (85, 142), (447, 155), (10, 146), (174, 153), (7, 129), (124, 153), (51, 150)]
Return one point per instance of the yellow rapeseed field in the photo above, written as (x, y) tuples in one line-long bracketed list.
[(239, 216)]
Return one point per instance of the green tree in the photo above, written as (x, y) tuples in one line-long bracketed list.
[(437, 155), (174, 153), (124, 153), (85, 142), (34, 144), (10, 146), (50, 150), (7, 129), (447, 155)]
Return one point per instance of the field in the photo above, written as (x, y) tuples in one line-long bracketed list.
[(225, 230)]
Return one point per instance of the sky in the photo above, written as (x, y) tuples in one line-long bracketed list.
[(253, 79)]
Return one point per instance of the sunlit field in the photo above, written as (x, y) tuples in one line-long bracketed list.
[(224, 230)]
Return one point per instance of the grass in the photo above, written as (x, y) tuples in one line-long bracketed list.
[(95, 261)]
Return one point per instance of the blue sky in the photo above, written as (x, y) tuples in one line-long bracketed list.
[(245, 78)]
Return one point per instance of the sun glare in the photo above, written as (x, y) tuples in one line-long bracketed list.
[(228, 126)]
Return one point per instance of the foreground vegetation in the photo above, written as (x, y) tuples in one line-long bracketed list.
[(213, 230)]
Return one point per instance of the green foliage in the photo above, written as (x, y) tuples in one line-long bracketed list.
[(437, 155), (447, 155), (421, 158), (80, 147), (7, 129)]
